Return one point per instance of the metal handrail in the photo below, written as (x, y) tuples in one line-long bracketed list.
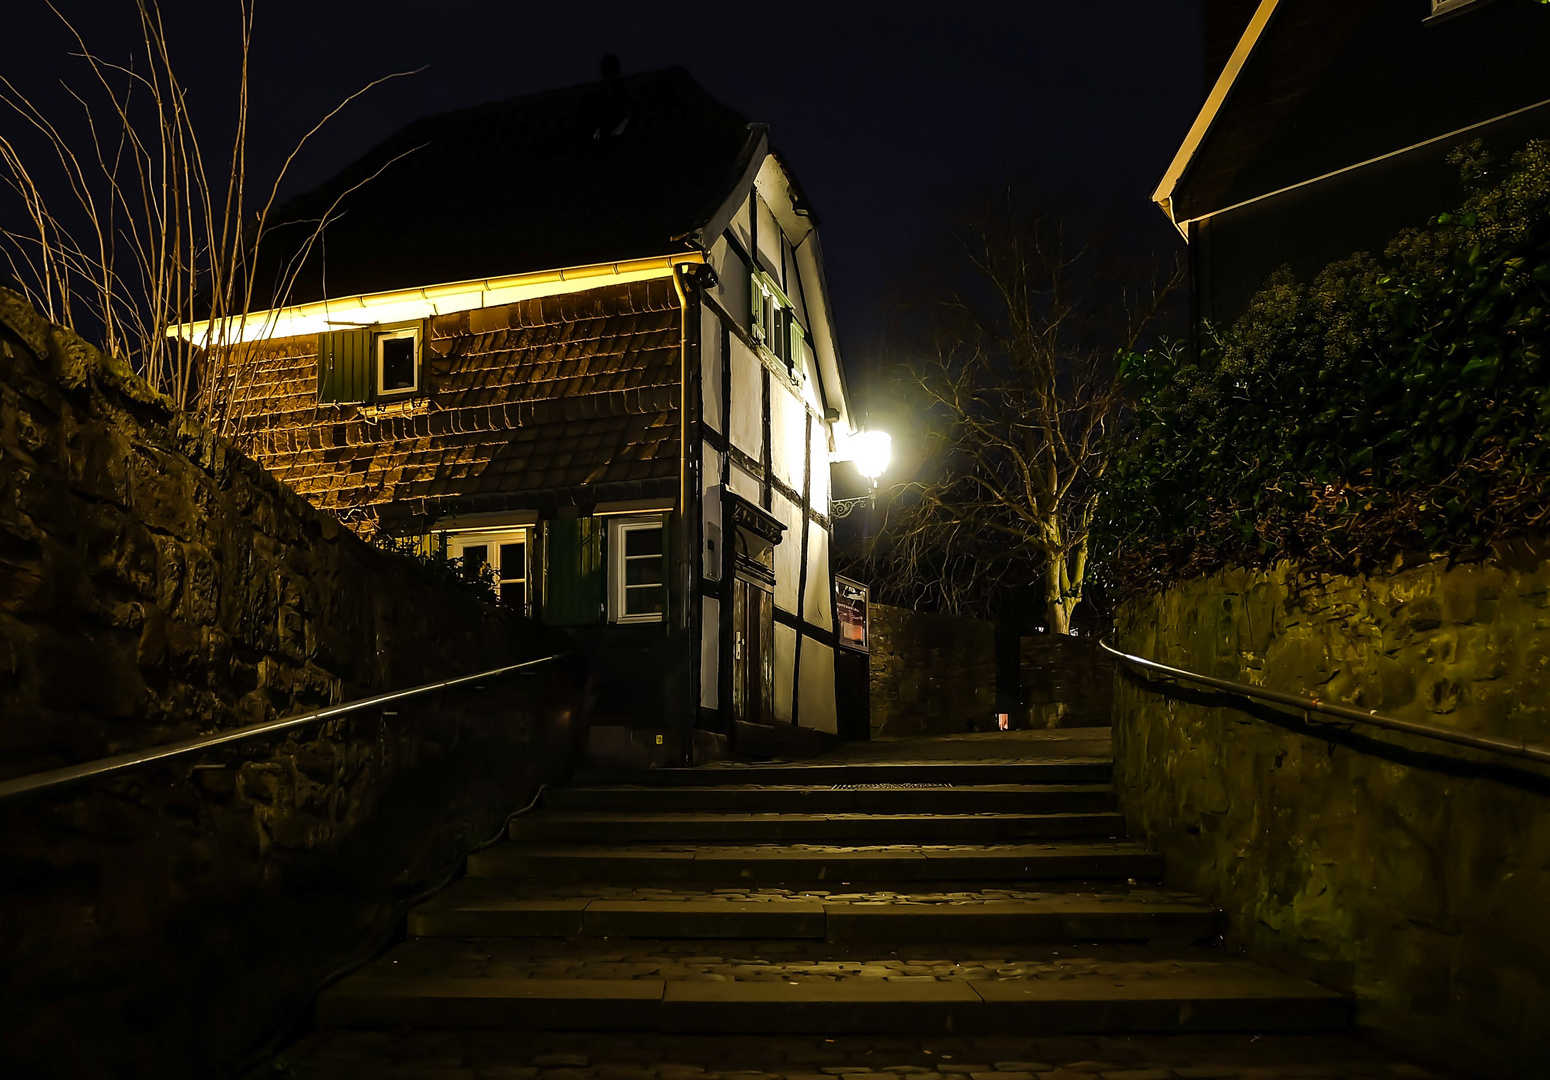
[(1510, 747), (70, 774)]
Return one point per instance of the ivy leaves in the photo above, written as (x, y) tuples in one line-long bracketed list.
[(1387, 405)]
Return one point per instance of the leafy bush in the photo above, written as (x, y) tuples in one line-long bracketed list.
[(1390, 405)]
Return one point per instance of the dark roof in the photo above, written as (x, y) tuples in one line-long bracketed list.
[(574, 394), (1333, 83), (595, 173)]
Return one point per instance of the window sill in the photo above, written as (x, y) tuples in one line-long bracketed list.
[(412, 403)]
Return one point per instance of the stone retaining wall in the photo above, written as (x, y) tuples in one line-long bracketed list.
[(930, 674), (155, 585), (1411, 874), (936, 675)]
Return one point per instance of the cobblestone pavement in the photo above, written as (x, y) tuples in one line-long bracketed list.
[(791, 961), (1112, 892), (502, 1055), (993, 747)]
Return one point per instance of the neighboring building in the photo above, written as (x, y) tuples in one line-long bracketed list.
[(1329, 127), (581, 342)]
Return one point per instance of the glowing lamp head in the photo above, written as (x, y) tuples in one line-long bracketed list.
[(873, 451)]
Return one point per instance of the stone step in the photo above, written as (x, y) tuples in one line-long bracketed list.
[(471, 908), (730, 827), (959, 774), (1241, 1001), (827, 799), (817, 862)]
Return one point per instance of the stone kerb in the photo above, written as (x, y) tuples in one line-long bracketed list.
[(156, 584)]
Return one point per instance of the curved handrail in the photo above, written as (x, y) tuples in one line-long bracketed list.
[(70, 774), (1492, 743)]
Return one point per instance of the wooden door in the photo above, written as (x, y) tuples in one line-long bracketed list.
[(753, 653)]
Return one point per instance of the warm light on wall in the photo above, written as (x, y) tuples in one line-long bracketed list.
[(404, 305)]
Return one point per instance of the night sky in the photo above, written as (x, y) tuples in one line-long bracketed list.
[(887, 112)]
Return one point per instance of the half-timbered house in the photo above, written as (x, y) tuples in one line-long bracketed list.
[(580, 342)]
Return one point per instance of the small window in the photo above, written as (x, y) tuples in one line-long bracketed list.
[(398, 361), (774, 323), (499, 559), (638, 570)]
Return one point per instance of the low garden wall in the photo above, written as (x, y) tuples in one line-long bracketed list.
[(935, 674), (931, 674), (155, 585), (1411, 874)]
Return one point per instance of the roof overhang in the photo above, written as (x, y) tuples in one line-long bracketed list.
[(404, 305), (1164, 195)]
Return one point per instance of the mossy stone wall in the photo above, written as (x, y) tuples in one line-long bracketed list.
[(1414, 875), (154, 585)]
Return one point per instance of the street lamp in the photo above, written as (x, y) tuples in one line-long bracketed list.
[(871, 452)]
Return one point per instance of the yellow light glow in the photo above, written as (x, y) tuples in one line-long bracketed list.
[(405, 305), (872, 451)]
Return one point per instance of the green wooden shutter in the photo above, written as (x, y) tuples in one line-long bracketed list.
[(574, 571), (345, 365)]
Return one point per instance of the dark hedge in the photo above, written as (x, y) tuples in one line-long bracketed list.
[(1391, 405)]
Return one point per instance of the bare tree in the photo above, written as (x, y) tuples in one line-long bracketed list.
[(1015, 398), (152, 239)]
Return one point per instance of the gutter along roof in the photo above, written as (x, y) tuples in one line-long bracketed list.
[(1164, 193), (1317, 88)]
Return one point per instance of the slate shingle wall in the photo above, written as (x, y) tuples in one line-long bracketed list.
[(563, 392)]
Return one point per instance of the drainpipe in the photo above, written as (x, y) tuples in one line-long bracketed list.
[(686, 535)]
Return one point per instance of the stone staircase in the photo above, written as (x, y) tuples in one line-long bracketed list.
[(882, 898)]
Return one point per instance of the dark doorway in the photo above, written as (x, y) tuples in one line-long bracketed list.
[(753, 652)]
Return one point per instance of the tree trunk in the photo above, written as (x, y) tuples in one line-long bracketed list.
[(1056, 608)]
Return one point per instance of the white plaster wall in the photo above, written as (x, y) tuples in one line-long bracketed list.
[(738, 226), (788, 553), (731, 289), (747, 421), (817, 687), (710, 502), (796, 286), (710, 369), (819, 499), (816, 607), (770, 238), (788, 433), (785, 664), (710, 652), (743, 484)]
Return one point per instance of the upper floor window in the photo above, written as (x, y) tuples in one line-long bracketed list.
[(398, 360), (370, 362), (637, 569), (775, 325)]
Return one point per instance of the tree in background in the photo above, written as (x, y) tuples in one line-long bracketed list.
[(1014, 395)]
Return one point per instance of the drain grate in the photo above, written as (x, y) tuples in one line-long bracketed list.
[(878, 787)]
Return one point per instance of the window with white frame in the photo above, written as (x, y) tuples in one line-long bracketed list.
[(398, 360), (499, 558), (637, 569)]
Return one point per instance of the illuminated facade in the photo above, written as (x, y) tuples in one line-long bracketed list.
[(581, 342)]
